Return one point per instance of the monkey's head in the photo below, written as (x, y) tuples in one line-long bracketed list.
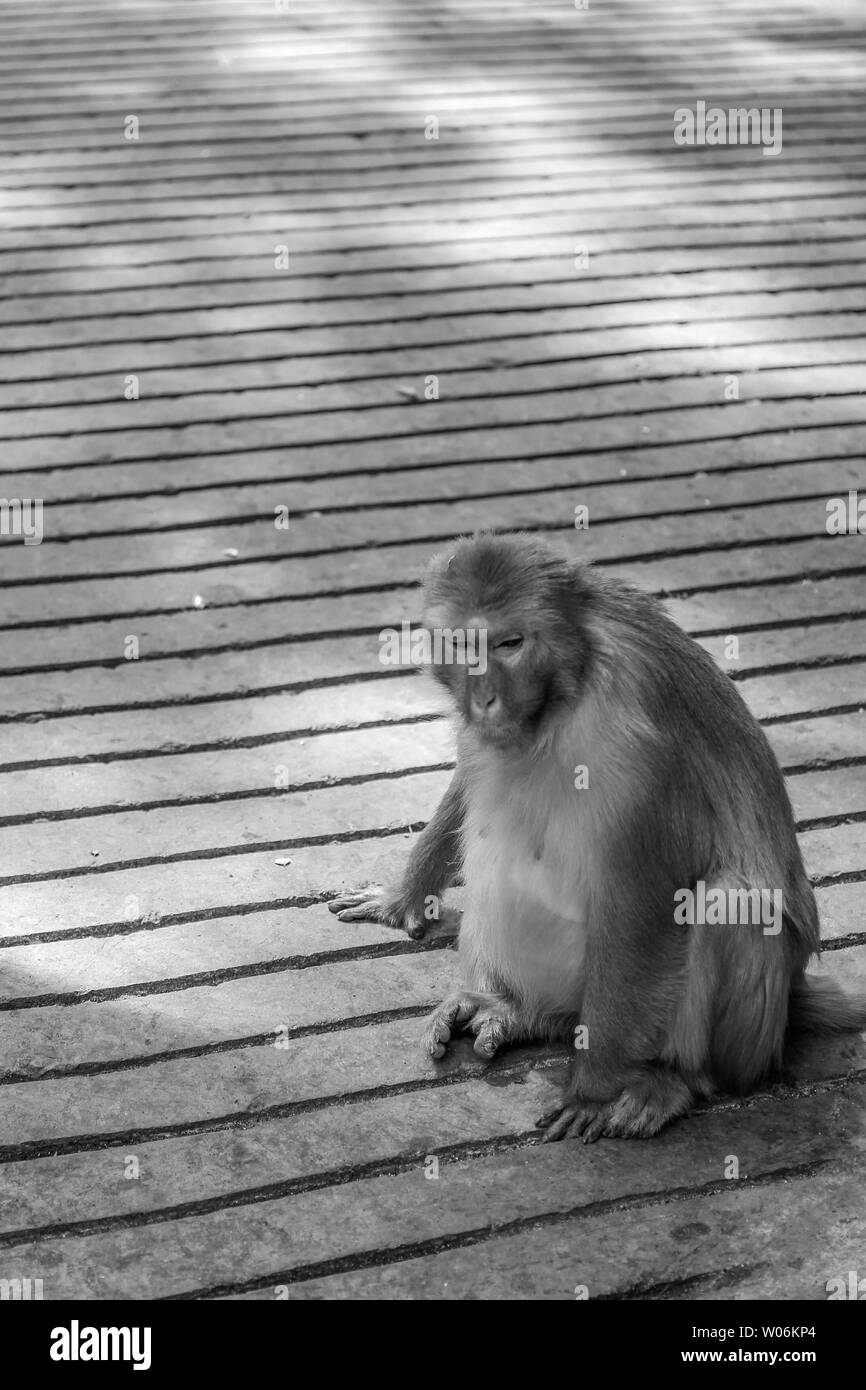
[(502, 617)]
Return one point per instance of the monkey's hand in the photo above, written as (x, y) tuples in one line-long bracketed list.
[(374, 904)]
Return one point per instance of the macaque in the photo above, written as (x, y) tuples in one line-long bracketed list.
[(604, 765)]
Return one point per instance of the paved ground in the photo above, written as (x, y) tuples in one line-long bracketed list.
[(211, 1087)]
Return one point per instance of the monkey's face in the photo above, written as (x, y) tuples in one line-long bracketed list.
[(499, 679), (509, 603)]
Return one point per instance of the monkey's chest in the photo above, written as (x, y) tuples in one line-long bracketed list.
[(524, 923)]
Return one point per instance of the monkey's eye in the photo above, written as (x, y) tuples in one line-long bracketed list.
[(510, 643)]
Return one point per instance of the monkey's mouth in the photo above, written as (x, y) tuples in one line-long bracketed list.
[(496, 730), (503, 733)]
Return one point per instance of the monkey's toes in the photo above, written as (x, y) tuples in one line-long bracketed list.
[(556, 1122), (586, 1119), (594, 1126)]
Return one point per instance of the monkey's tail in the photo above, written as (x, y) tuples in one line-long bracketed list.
[(819, 1006)]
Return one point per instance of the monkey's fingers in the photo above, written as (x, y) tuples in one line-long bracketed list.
[(435, 1041), (364, 905), (491, 1033), (367, 911), (372, 905), (452, 1015)]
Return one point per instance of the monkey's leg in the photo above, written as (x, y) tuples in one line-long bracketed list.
[(634, 965), (432, 866), (491, 1017)]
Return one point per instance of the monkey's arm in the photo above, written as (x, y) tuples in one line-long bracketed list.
[(433, 864)]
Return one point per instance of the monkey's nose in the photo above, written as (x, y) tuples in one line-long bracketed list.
[(485, 704)]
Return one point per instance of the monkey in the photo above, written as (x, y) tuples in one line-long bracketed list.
[(605, 764)]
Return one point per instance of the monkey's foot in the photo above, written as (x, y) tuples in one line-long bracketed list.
[(488, 1016), (648, 1104), (641, 1110), (374, 904)]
